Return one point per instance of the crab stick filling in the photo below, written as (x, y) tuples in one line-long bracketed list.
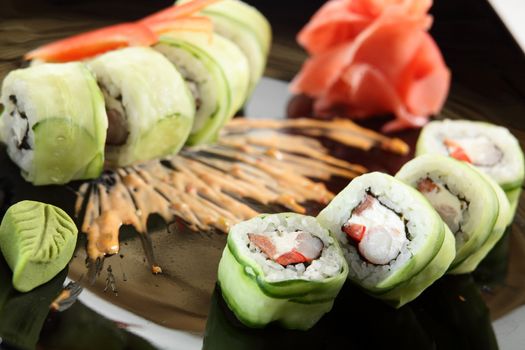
[(286, 248), (448, 205), (376, 230), (479, 150)]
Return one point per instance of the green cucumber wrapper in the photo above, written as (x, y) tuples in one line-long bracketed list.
[(503, 220), (298, 290), (338, 212), (513, 195), (450, 314), (158, 104), (207, 55), (246, 27), (69, 129), (229, 57), (256, 309), (240, 13), (487, 205), (422, 147), (414, 286)]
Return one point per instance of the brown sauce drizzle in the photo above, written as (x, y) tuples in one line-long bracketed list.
[(208, 186)]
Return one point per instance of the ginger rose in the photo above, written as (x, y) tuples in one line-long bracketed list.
[(373, 57)]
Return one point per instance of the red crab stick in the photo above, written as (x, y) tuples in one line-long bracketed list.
[(177, 11), (95, 42), (307, 249), (293, 257), (456, 151), (354, 231)]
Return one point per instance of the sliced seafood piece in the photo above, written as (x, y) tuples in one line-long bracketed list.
[(288, 248), (378, 232)]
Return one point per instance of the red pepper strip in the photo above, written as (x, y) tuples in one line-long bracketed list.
[(95, 42), (177, 11), (354, 231), (456, 151), (194, 24), (293, 257)]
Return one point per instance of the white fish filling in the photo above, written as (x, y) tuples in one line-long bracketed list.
[(480, 150), (447, 204), (384, 234)]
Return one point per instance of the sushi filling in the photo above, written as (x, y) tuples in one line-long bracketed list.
[(287, 248), (195, 92), (118, 128), (478, 150), (378, 232), (448, 205)]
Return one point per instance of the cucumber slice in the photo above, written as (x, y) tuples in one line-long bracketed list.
[(245, 26), (504, 218), (414, 286), (62, 110), (211, 62), (256, 309), (513, 196), (165, 137), (58, 144), (200, 68), (423, 248), (480, 216), (154, 99)]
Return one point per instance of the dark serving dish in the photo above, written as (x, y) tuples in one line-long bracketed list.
[(456, 312)]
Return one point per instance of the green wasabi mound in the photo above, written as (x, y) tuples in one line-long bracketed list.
[(37, 241)]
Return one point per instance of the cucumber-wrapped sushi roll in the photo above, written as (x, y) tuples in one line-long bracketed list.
[(54, 123), (395, 243), (245, 26), (475, 209), (217, 73), (150, 109), (281, 267), (490, 148)]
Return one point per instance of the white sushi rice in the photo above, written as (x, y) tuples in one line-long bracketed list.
[(194, 71), (13, 126), (447, 203), (394, 195), (329, 264), (493, 148)]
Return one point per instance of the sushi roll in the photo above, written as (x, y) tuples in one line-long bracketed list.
[(490, 148), (473, 207), (395, 243), (282, 268), (245, 26), (217, 73), (54, 123), (150, 109)]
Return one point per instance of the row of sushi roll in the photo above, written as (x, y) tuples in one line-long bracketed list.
[(391, 236), (80, 107)]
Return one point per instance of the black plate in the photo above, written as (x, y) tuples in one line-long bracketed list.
[(489, 84)]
